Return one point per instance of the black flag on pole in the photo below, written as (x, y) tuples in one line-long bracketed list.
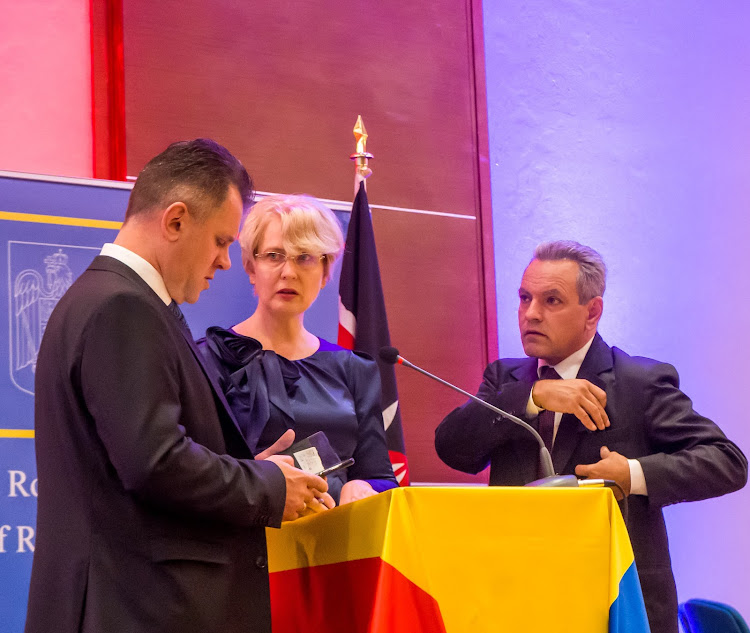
[(363, 324)]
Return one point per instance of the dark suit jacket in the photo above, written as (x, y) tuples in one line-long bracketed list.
[(685, 456), (145, 522)]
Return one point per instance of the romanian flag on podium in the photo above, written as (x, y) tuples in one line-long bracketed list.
[(458, 560), (363, 324)]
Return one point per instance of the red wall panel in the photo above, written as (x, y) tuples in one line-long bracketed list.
[(281, 85)]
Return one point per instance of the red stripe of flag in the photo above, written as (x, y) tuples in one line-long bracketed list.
[(360, 596)]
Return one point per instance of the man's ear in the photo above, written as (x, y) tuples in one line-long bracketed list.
[(595, 308), (173, 221)]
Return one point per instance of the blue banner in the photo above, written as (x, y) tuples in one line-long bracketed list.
[(50, 230)]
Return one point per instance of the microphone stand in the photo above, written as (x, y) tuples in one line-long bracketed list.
[(549, 478)]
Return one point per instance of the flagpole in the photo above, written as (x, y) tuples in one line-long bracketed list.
[(363, 322), (361, 155)]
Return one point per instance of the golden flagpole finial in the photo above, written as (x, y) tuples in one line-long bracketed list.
[(360, 135), (361, 156)]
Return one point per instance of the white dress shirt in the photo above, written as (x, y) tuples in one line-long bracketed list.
[(142, 268)]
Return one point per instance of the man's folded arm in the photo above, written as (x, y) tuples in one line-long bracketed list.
[(135, 403), (469, 435)]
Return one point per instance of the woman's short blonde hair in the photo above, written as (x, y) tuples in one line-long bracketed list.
[(307, 226)]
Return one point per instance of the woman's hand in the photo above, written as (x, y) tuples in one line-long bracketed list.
[(354, 490)]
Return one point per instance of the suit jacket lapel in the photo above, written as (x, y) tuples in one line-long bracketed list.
[(113, 265), (527, 372), (232, 427), (598, 361), (218, 393)]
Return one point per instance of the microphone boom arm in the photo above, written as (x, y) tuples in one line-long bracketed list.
[(548, 469)]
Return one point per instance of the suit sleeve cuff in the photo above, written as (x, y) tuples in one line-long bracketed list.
[(273, 511)]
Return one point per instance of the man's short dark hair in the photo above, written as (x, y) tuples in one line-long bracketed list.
[(198, 173), (592, 272)]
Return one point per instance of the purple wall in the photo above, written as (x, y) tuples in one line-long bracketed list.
[(626, 126)]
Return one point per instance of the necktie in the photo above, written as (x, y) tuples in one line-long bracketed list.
[(547, 418), (174, 308)]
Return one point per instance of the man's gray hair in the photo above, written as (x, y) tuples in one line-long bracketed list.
[(592, 272)]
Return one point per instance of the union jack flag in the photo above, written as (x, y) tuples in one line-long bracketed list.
[(363, 324)]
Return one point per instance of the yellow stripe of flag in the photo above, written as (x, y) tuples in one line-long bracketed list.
[(620, 550)]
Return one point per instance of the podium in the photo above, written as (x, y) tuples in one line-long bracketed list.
[(458, 560)]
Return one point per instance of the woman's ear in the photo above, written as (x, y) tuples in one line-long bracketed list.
[(326, 271), (249, 265)]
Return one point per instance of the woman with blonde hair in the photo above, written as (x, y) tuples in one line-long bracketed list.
[(276, 374)]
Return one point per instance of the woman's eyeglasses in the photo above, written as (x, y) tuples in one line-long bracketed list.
[(274, 259)]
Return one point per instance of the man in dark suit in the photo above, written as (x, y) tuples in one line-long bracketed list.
[(152, 509), (612, 416)]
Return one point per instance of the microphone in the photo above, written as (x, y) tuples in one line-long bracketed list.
[(391, 356)]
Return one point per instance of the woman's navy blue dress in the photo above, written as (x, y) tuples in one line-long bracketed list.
[(334, 390)]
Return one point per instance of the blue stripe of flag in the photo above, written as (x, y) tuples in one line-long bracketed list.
[(627, 614)]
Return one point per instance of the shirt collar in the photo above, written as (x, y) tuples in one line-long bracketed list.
[(141, 267), (568, 368)]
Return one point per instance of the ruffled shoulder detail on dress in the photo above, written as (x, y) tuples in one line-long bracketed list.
[(232, 349), (254, 379)]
